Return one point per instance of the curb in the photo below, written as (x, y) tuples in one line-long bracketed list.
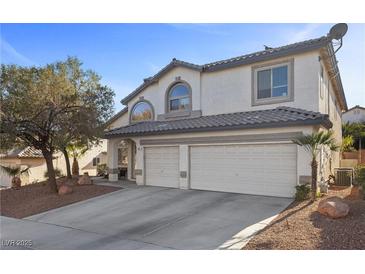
[(238, 241)]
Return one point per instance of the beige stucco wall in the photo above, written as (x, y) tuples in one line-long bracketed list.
[(156, 92), (121, 121), (37, 167), (231, 90), (86, 161), (328, 104)]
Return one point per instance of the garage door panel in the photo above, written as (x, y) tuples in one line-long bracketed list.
[(252, 169), (162, 166)]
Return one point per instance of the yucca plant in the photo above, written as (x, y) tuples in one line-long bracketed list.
[(312, 144), (15, 172)]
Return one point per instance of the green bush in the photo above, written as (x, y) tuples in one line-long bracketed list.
[(57, 171), (302, 192), (101, 169), (360, 174), (360, 177)]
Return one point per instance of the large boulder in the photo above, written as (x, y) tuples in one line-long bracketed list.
[(64, 189), (84, 180), (333, 207)]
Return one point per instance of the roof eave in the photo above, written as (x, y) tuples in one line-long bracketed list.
[(323, 121), (173, 64), (269, 56)]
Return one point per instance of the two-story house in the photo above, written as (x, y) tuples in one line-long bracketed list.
[(228, 125)]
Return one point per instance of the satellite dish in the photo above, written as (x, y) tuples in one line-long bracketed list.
[(338, 31)]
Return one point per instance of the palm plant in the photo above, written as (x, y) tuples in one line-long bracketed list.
[(347, 144), (312, 144), (76, 150), (15, 172)]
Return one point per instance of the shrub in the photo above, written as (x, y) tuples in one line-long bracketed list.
[(57, 172), (360, 177), (101, 170), (302, 192)]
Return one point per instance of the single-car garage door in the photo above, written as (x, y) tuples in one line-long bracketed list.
[(267, 169), (162, 166)]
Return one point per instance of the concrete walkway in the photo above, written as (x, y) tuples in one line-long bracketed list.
[(144, 218)]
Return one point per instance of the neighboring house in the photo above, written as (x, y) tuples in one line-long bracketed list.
[(25, 158), (355, 114), (33, 158), (227, 125)]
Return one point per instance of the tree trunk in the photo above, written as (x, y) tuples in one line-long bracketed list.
[(68, 166), (314, 166), (75, 167), (51, 173)]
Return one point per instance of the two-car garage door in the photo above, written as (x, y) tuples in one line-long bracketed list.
[(268, 169), (265, 169)]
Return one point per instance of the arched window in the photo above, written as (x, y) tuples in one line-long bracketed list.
[(142, 111), (179, 98)]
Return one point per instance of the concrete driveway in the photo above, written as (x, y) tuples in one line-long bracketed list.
[(144, 218)]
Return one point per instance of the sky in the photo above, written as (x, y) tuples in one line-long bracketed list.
[(125, 54)]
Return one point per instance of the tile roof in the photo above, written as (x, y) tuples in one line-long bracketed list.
[(236, 61), (277, 117), (28, 152), (269, 53)]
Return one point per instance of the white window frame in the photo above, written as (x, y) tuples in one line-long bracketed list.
[(278, 99), (170, 98)]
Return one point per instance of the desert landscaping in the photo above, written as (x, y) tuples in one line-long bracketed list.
[(301, 226), (32, 199)]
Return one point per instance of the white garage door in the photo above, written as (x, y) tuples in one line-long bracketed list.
[(162, 166), (253, 169)]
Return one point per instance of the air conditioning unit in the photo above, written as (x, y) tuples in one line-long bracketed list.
[(344, 176)]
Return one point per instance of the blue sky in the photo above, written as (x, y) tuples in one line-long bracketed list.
[(124, 54)]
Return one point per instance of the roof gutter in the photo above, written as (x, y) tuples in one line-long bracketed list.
[(337, 76)]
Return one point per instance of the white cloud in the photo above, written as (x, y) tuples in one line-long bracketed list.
[(10, 52), (308, 32)]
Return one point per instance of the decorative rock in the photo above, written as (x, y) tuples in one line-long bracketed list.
[(333, 207), (64, 189), (16, 182), (84, 179)]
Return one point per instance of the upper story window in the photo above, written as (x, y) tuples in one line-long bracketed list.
[(142, 111), (179, 98), (272, 84)]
